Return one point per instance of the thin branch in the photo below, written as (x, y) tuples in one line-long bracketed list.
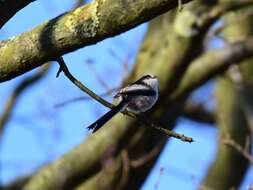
[(12, 100), (22, 86), (83, 98), (180, 6), (144, 159), (83, 88), (146, 121), (63, 68), (222, 8), (159, 178), (242, 150), (99, 79), (125, 169), (217, 32)]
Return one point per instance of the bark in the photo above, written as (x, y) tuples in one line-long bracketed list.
[(215, 62), (121, 155), (125, 149), (230, 165), (83, 26)]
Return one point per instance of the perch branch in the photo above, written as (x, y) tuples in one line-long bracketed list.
[(63, 68)]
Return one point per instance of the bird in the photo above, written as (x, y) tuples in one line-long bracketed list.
[(137, 97)]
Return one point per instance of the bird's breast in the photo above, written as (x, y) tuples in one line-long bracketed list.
[(141, 103)]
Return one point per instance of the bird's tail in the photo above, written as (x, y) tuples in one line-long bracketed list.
[(106, 117)]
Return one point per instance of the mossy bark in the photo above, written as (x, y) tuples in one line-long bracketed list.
[(230, 166), (123, 136), (83, 26)]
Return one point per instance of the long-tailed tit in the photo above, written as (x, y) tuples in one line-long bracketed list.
[(137, 97)]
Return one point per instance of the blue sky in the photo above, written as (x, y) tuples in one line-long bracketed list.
[(39, 132)]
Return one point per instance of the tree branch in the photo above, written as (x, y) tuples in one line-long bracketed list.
[(22, 86), (141, 118), (119, 133), (192, 31), (215, 62), (244, 151), (64, 68), (83, 26), (84, 98), (230, 165)]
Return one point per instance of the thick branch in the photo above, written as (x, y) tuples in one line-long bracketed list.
[(231, 163), (17, 184), (212, 63), (190, 33), (86, 25)]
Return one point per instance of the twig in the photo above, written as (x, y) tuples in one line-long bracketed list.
[(63, 68), (218, 30), (144, 159), (11, 102), (95, 74), (159, 177), (170, 133), (238, 148), (180, 6), (125, 170), (167, 132), (82, 98), (123, 61)]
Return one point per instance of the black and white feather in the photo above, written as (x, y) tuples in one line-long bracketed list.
[(137, 97)]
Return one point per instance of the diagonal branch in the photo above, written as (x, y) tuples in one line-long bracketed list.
[(244, 151), (84, 98), (192, 32), (214, 62), (141, 118), (11, 102), (64, 68), (83, 26)]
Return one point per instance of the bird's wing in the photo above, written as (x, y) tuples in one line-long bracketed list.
[(136, 90)]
